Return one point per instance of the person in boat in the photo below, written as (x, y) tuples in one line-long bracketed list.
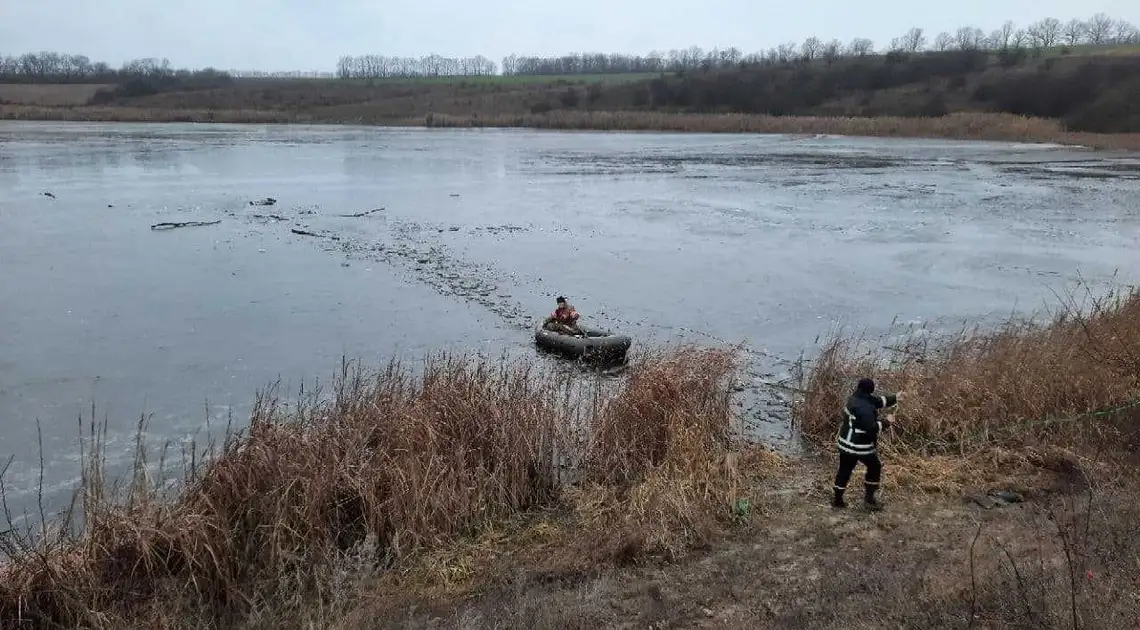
[(564, 319), (857, 440)]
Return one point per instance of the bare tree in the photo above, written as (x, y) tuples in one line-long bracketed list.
[(1074, 31), (943, 42), (1045, 33), (811, 48), (913, 40), (752, 59), (1018, 39), (832, 50), (1099, 28), (1123, 32), (1003, 37), (63, 68), (786, 52), (969, 38), (381, 67), (860, 47)]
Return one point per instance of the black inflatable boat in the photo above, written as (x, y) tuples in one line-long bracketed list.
[(594, 345)]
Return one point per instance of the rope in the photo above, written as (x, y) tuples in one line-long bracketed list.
[(1051, 421), (798, 363)]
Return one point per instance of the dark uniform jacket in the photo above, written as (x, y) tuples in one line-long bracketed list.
[(859, 433)]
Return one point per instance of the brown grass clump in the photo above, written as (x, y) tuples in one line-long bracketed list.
[(1023, 384), (673, 411), (661, 468), (392, 464)]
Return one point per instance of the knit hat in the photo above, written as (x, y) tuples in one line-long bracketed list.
[(866, 385)]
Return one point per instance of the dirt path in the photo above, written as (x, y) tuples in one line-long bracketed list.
[(799, 564)]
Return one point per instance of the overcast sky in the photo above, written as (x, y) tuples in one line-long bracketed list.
[(311, 35)]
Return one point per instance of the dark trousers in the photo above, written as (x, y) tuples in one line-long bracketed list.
[(847, 463)]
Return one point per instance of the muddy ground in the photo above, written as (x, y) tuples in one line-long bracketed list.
[(983, 557)]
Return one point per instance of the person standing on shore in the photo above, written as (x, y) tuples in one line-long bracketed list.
[(857, 440)]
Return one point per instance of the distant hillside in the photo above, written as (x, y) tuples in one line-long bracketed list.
[(1096, 93), (1095, 89)]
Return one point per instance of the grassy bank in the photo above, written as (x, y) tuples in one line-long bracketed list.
[(389, 467), (474, 494), (1081, 97), (966, 126)]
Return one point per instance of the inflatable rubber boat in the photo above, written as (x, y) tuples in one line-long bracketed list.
[(594, 345)]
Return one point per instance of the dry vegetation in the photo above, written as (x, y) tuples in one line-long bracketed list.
[(1020, 409), (482, 495), (391, 467), (981, 401), (146, 115), (960, 126), (48, 95), (964, 126), (1076, 99), (1052, 562)]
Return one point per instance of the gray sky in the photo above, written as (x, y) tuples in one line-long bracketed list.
[(311, 35)]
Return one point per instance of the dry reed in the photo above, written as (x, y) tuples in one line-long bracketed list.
[(1045, 385), (956, 126), (390, 465), (661, 457), (107, 113), (48, 95)]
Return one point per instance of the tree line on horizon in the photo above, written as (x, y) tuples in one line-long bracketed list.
[(382, 67), (1048, 33), (53, 67), (1045, 34)]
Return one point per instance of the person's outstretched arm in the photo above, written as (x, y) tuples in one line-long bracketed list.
[(886, 401)]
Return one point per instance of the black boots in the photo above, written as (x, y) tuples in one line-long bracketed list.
[(870, 501)]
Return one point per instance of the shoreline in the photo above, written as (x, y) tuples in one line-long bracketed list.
[(491, 488), (962, 126), (679, 515), (501, 491)]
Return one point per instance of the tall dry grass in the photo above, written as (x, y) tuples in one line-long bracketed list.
[(662, 469), (671, 412), (107, 113), (1036, 382), (393, 463), (955, 126), (48, 95)]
